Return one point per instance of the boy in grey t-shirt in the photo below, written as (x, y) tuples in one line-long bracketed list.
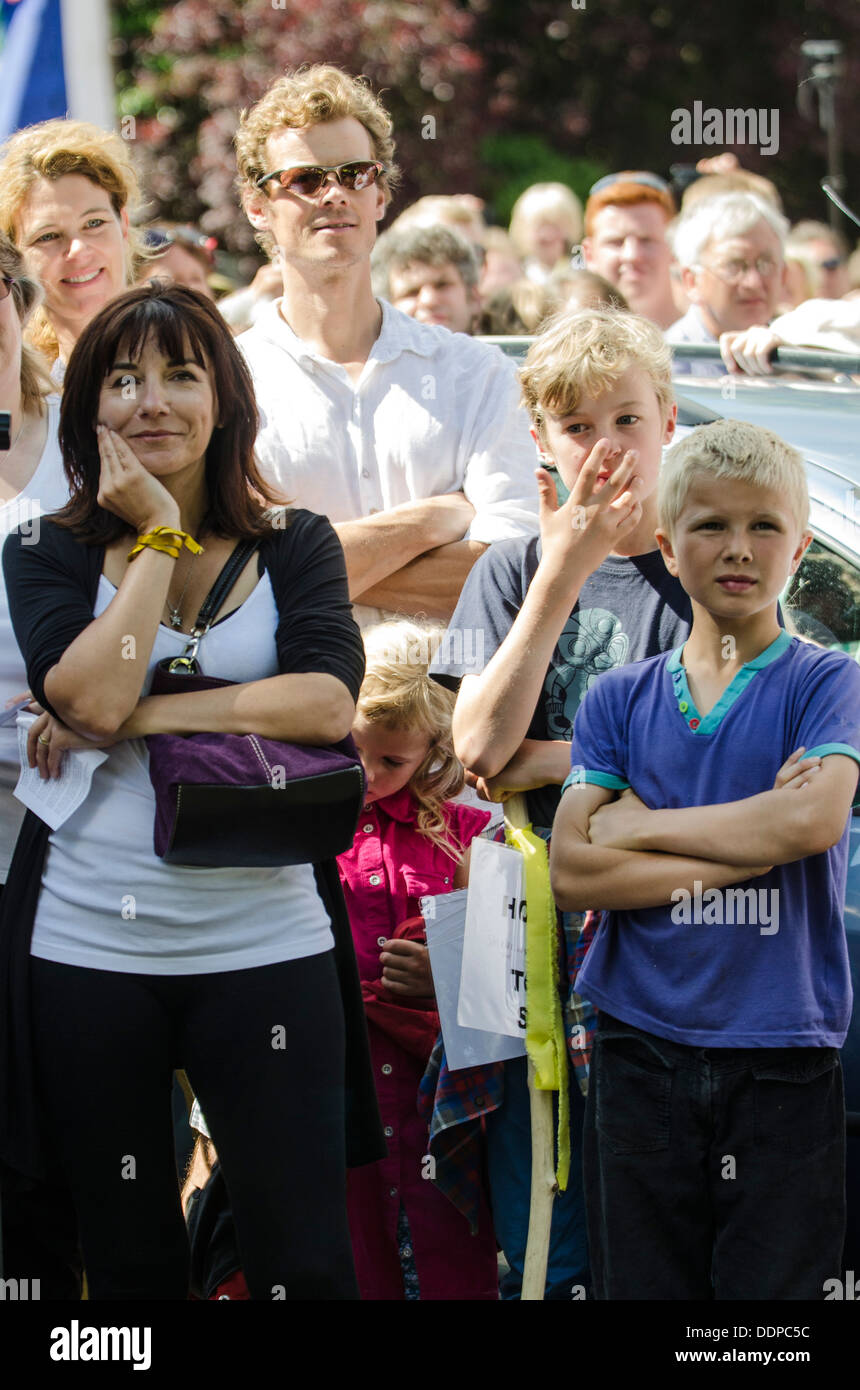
[(537, 623)]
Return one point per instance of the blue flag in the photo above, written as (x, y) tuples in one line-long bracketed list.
[(32, 78)]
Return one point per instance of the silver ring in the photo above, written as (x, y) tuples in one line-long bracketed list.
[(45, 741)]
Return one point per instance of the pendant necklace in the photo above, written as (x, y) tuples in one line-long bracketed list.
[(175, 610)]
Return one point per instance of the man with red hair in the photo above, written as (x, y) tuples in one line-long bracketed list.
[(626, 217)]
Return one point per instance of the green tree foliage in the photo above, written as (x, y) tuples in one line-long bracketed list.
[(487, 95)]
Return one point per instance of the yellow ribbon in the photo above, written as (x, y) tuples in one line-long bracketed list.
[(168, 540), (545, 1041)]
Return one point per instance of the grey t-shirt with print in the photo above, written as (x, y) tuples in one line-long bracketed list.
[(628, 609)]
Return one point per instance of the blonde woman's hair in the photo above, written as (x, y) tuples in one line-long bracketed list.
[(583, 352), (731, 449), (306, 97), (26, 293), (50, 150), (546, 202), (399, 693)]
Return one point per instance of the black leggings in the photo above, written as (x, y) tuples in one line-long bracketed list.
[(264, 1052)]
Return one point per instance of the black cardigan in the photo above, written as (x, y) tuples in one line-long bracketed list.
[(52, 588)]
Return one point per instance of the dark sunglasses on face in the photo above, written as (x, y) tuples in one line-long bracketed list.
[(6, 283), (308, 179)]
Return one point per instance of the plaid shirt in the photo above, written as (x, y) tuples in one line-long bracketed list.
[(453, 1104)]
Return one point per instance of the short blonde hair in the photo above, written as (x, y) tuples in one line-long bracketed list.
[(546, 202), (305, 97), (26, 293), (583, 352), (399, 692), (49, 151), (731, 449)]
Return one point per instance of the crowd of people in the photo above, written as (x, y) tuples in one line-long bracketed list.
[(303, 489)]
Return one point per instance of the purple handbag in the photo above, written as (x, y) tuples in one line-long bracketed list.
[(238, 800)]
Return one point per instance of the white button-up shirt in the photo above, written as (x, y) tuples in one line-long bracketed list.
[(432, 412)]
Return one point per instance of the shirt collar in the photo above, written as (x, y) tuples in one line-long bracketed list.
[(758, 663), (398, 333)]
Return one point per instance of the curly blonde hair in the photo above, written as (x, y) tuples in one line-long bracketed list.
[(48, 151), (399, 693), (305, 97), (583, 352)]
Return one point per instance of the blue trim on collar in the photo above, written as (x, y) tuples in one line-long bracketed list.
[(712, 720)]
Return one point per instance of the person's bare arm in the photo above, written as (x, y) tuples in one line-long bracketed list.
[(584, 875), (494, 709), (378, 546), (430, 585), (538, 762), (774, 827)]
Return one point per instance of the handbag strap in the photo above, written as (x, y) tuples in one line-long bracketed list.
[(236, 562)]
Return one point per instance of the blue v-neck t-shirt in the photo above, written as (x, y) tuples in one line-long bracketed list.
[(763, 963)]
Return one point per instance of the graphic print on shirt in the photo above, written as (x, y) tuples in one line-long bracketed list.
[(592, 642)]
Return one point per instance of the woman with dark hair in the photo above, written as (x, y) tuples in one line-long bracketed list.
[(138, 966)]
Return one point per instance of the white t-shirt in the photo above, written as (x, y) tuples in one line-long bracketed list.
[(432, 412), (109, 903), (46, 491)]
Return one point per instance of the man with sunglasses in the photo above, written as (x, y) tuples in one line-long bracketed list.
[(384, 424), (626, 217)]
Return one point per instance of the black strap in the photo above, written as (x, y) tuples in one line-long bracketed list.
[(224, 583)]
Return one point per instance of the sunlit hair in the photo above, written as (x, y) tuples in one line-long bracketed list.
[(50, 150), (584, 352), (26, 295), (398, 248), (731, 449), (626, 195), (737, 181), (521, 307), (306, 97), (545, 202), (186, 326), (718, 219), (398, 693), (585, 289)]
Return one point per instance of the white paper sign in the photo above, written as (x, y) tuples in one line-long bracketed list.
[(492, 981), (57, 798), (445, 919)]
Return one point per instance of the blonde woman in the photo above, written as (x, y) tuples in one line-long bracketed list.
[(546, 224), (67, 193)]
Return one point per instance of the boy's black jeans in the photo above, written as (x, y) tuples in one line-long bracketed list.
[(712, 1173)]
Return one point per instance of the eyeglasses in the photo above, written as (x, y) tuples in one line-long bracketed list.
[(735, 270), (6, 283), (308, 179), (641, 176)]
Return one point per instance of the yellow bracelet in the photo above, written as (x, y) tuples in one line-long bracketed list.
[(168, 540)]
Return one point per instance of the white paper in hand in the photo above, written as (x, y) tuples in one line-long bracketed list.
[(445, 919), (492, 983), (58, 798)]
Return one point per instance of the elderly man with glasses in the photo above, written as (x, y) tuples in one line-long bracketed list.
[(408, 437), (731, 252), (626, 219)]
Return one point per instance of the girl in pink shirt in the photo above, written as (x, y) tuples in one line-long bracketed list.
[(408, 1240)]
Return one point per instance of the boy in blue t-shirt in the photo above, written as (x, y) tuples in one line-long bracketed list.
[(715, 1126)]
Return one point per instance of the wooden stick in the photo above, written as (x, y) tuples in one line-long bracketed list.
[(543, 1185), (544, 1188)]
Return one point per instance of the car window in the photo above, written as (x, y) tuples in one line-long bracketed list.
[(821, 602)]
